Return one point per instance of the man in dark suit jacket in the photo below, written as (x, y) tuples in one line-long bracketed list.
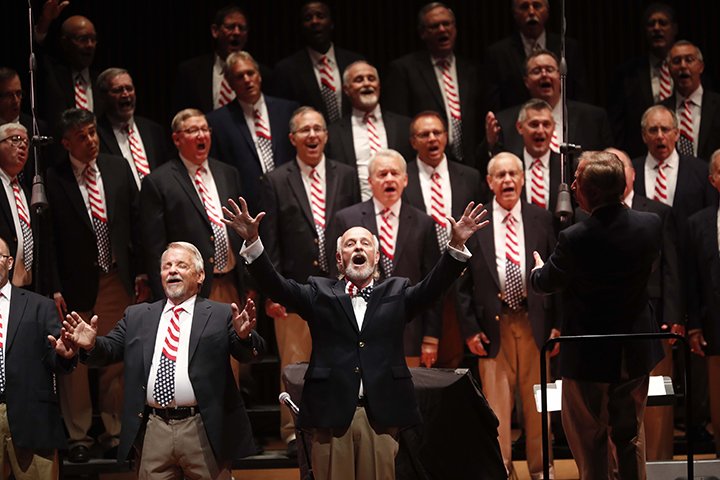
[(703, 285), (686, 68), (602, 266), (356, 137), (196, 403), (413, 85), (643, 81), (299, 197), (408, 240), (505, 59), (140, 140), (300, 76), (588, 125), (441, 188), (251, 133), (97, 262), (172, 208), (358, 391), (29, 441), (508, 331), (199, 80)]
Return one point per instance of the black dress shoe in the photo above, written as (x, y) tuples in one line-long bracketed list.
[(111, 453), (292, 450), (79, 454)]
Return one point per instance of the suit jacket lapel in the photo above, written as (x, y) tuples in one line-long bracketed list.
[(427, 72), (18, 302), (486, 239), (200, 319), (413, 191), (339, 290), (107, 136), (406, 223), (530, 231), (150, 325), (307, 77), (456, 208), (331, 189), (109, 186), (238, 118), (297, 187), (708, 110), (183, 178), (275, 120), (346, 138), (66, 178)]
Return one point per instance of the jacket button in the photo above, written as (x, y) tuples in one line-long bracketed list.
[(211, 260), (212, 238), (497, 318), (315, 263), (362, 344), (316, 241), (357, 370), (140, 415), (500, 296)]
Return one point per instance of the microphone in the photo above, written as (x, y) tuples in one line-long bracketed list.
[(38, 199), (41, 140), (285, 399), (563, 208)]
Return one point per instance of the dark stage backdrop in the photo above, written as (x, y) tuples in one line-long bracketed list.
[(151, 37)]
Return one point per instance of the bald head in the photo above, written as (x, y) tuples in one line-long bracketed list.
[(78, 40)]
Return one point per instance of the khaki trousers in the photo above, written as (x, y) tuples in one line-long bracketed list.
[(25, 463), (362, 452), (74, 394), (516, 367), (294, 346)]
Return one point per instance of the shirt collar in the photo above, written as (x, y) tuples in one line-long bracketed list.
[(192, 167), (305, 169), (315, 56), (529, 159), (190, 302), (249, 109), (629, 199), (450, 59), (360, 114), (442, 167), (695, 97), (672, 161), (394, 208), (79, 167), (529, 42), (5, 290), (499, 213)]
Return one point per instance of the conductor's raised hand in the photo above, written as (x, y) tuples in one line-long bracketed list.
[(238, 217), (244, 321), (471, 221), (78, 333)]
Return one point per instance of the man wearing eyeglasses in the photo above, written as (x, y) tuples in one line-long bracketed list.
[(251, 132), (588, 125), (697, 109), (140, 140), (180, 201)]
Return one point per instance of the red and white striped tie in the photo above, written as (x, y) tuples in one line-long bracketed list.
[(137, 152), (555, 141), (453, 103), (685, 144), (373, 138), (437, 211), (327, 89), (537, 184), (213, 214), (99, 217), (317, 204), (225, 95), (513, 276), (164, 390), (264, 141), (81, 93), (666, 83), (661, 189), (387, 242), (24, 218)]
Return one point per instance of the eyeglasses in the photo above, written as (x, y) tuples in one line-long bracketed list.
[(426, 135), (678, 59), (83, 38), (10, 95), (304, 131), (230, 27), (16, 140), (122, 88), (537, 71), (657, 130), (196, 130)]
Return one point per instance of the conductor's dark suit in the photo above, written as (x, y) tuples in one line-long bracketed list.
[(212, 341), (332, 381), (154, 140), (232, 142), (171, 211), (416, 251)]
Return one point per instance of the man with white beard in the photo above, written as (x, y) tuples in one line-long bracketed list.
[(358, 390), (356, 138)]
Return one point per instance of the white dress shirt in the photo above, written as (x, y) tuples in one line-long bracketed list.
[(361, 144), (85, 74), (218, 76), (249, 113), (499, 232), (394, 219), (528, 160), (78, 168), (441, 83), (5, 293), (123, 139), (695, 111), (7, 187), (529, 43), (425, 171), (671, 172), (334, 71)]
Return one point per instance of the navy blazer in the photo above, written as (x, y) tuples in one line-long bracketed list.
[(602, 265), (232, 142), (212, 341)]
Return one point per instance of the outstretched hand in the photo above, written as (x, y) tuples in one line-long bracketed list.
[(244, 322), (77, 333), (470, 222), (239, 219)]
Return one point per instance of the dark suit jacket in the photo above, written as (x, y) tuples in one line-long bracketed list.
[(30, 366), (194, 81), (340, 144), (75, 245), (416, 251), (57, 88), (212, 341), (294, 79), (479, 295), (703, 282), (411, 87), (153, 136), (708, 138), (666, 292), (288, 228), (505, 67), (171, 211), (232, 142), (337, 365), (588, 126), (601, 266)]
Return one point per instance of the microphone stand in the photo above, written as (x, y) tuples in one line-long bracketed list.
[(563, 208), (38, 199), (294, 411)]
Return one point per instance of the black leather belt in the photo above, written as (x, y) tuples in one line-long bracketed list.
[(362, 402), (179, 413), (2, 398)]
